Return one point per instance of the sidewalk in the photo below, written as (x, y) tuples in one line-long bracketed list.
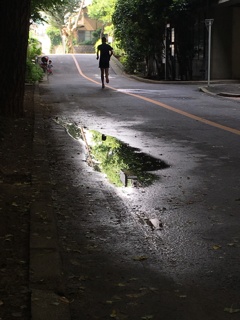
[(46, 277), (225, 88), (31, 279)]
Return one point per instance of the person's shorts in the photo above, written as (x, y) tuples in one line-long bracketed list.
[(104, 63)]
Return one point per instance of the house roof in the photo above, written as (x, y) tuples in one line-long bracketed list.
[(88, 24)]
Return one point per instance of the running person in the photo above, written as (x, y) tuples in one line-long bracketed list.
[(106, 51)]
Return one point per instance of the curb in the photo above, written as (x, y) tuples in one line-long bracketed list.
[(45, 270), (117, 66), (222, 94), (228, 94), (205, 90)]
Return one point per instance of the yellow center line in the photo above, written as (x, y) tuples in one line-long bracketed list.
[(81, 73), (165, 106)]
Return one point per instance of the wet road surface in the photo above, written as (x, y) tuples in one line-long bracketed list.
[(116, 262)]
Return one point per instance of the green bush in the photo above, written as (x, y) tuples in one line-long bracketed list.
[(129, 64), (33, 71), (97, 44), (34, 48), (54, 35), (87, 42)]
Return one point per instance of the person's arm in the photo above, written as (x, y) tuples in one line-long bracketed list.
[(97, 53), (111, 53)]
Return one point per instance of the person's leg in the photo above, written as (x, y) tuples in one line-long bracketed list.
[(102, 77), (107, 75)]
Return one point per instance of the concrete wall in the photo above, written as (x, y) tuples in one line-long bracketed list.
[(221, 57), (236, 43)]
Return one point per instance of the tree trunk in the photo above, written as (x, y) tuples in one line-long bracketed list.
[(14, 29)]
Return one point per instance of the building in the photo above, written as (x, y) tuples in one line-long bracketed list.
[(85, 32), (225, 42)]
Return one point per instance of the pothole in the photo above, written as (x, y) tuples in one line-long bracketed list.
[(123, 165)]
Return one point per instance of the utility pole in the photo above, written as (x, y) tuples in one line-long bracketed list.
[(208, 24)]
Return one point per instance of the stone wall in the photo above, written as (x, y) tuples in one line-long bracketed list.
[(84, 48)]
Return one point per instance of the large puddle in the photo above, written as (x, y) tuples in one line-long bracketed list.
[(122, 164)]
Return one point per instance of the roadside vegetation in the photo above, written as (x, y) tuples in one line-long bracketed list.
[(33, 70)]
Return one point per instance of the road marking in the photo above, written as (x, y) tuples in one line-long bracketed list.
[(165, 106), (188, 115), (81, 73)]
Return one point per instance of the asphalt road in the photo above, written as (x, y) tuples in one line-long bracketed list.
[(116, 262)]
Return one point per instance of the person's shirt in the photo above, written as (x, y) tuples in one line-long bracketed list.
[(105, 50)]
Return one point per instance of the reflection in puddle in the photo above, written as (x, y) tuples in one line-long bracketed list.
[(123, 165)]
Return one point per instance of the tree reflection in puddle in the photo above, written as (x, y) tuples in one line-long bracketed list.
[(122, 164)]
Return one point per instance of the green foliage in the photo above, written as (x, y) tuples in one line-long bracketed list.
[(132, 62), (33, 70), (34, 48), (118, 51), (97, 44), (52, 6), (54, 35), (96, 34), (143, 38), (59, 12), (87, 42), (102, 10), (65, 18)]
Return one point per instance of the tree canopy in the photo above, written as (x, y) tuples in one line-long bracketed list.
[(102, 10), (140, 27), (59, 12), (38, 6)]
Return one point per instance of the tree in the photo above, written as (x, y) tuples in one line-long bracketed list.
[(139, 27), (54, 35), (39, 6), (15, 17), (15, 21), (102, 10), (65, 19), (143, 38)]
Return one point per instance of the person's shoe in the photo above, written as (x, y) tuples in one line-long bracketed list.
[(103, 86), (107, 79)]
